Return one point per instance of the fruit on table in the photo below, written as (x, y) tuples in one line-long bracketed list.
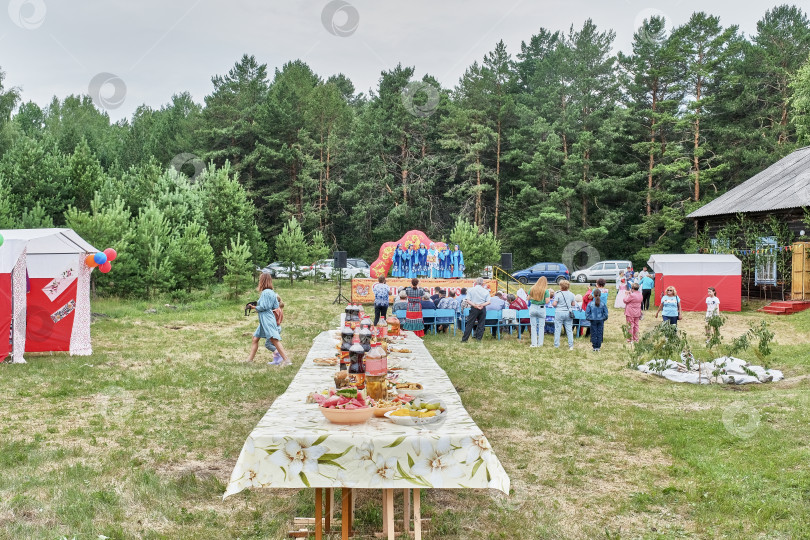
[(419, 408), (345, 398)]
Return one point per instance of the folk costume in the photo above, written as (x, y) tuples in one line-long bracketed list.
[(457, 260), (413, 315)]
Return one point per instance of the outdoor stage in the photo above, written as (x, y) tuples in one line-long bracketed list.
[(362, 294)]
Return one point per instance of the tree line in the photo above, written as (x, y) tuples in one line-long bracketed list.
[(560, 141)]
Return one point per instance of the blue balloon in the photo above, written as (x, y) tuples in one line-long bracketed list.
[(100, 258)]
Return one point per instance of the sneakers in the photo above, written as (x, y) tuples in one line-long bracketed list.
[(571, 348), (286, 363)]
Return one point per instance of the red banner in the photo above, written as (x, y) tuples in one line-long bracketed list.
[(362, 293)]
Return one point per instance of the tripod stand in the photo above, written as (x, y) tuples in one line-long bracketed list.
[(340, 299)]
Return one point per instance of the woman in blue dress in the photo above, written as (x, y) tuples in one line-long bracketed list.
[(268, 327), (409, 256), (396, 267), (444, 263), (422, 269), (457, 260)]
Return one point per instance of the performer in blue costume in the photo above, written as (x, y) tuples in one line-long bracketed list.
[(396, 259), (457, 259), (411, 262), (432, 261), (444, 263), (423, 269)]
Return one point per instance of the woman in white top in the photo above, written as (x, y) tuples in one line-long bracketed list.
[(621, 290)]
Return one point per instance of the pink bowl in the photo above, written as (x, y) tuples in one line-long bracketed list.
[(347, 416)]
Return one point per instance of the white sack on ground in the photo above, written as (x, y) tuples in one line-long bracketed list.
[(730, 371)]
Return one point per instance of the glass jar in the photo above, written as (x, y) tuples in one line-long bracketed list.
[(376, 372)]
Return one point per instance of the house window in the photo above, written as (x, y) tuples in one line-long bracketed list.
[(765, 273)]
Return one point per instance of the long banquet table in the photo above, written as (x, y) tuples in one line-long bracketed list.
[(294, 446)]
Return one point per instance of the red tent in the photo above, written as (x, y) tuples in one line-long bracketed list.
[(692, 273), (44, 292)]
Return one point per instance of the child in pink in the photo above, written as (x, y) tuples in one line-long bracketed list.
[(632, 311)]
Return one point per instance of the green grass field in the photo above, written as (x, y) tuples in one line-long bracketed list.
[(139, 440)]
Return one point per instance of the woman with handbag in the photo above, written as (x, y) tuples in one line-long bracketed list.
[(564, 314), (270, 315), (671, 306)]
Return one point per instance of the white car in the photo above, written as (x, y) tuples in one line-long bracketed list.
[(607, 270), (354, 268)]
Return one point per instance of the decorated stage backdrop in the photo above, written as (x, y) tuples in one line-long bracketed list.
[(362, 294), (382, 266)]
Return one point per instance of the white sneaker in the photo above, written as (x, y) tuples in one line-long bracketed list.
[(285, 363), (571, 348)]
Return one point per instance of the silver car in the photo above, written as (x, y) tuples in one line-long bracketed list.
[(607, 270)]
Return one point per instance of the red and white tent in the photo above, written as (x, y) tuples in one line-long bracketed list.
[(44, 292), (692, 273)]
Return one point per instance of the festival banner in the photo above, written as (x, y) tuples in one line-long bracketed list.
[(362, 293)]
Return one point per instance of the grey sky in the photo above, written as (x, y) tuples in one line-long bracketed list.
[(159, 48)]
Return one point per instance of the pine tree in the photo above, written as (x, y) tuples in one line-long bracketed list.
[(192, 257), (238, 269), (480, 249), (36, 218), (85, 175), (291, 246), (227, 213)]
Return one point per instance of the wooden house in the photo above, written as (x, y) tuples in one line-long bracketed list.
[(782, 191)]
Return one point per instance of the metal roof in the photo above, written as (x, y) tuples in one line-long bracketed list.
[(785, 184)]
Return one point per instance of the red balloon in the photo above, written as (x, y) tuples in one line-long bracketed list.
[(104, 268), (90, 262), (111, 254)]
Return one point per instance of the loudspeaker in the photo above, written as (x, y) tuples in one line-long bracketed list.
[(506, 261), (340, 259)]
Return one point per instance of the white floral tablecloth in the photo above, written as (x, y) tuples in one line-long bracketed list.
[(294, 446)]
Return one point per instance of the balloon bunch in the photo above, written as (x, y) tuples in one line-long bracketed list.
[(102, 259), (1, 239)]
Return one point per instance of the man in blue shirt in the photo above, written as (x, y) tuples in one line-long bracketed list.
[(647, 285), (478, 299)]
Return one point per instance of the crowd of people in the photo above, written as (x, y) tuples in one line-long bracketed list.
[(633, 294)]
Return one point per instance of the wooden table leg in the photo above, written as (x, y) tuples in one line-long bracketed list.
[(318, 514), (388, 498), (330, 508), (345, 525), (417, 515), (385, 511), (406, 510)]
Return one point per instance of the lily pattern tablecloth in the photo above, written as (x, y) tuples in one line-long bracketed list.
[(294, 446)]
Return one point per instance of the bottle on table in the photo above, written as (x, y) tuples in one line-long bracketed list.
[(357, 369), (346, 337), (376, 361)]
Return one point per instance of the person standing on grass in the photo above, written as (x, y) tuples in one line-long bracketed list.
[(478, 299), (539, 294), (632, 311), (670, 306), (268, 327), (381, 299), (564, 305), (597, 314), (413, 316), (712, 310), (647, 285)]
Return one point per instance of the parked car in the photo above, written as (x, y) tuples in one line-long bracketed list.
[(553, 272), (608, 270), (282, 270), (354, 268)]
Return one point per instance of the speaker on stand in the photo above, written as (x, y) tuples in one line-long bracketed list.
[(506, 264), (339, 265)]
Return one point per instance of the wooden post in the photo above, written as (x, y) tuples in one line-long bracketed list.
[(388, 498), (318, 514), (345, 525), (330, 508), (406, 510), (417, 514)]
